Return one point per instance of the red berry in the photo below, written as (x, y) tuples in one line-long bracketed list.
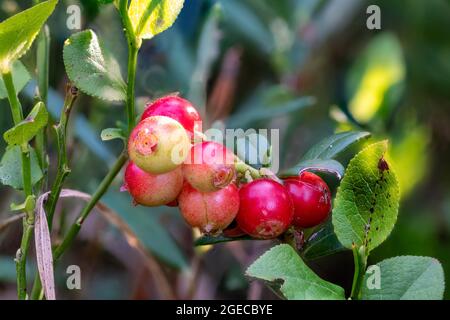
[(152, 190), (210, 212), (178, 109), (266, 209), (209, 166), (158, 144), (311, 197)]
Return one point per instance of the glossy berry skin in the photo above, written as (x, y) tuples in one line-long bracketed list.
[(158, 145), (266, 209), (210, 212), (209, 166), (312, 199), (178, 109), (152, 190)]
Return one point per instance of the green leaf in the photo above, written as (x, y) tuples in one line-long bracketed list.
[(18, 32), (299, 282), (208, 240), (405, 278), (20, 75), (366, 204), (332, 146), (112, 134), (28, 128), (322, 243), (92, 69), (11, 168), (153, 16), (27, 206), (319, 165)]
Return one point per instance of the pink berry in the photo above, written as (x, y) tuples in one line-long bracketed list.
[(152, 190), (210, 212), (209, 166)]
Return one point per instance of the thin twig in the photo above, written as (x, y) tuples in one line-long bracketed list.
[(7, 222)]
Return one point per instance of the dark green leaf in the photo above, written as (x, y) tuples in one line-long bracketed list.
[(26, 130), (11, 168), (92, 69), (317, 165), (299, 282), (332, 146), (322, 243), (207, 240)]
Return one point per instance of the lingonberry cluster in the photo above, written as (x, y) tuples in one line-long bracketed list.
[(170, 165)]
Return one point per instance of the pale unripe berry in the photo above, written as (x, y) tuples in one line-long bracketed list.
[(158, 144)]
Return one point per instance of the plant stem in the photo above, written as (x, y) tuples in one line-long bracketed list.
[(28, 220), (132, 64), (63, 166), (75, 228), (16, 107), (21, 260), (360, 261), (133, 50), (42, 62)]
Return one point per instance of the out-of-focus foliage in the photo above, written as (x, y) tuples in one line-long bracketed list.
[(310, 68)]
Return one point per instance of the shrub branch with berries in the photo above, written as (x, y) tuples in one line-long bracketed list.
[(169, 162)]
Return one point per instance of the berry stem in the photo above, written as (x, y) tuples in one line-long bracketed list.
[(245, 170)]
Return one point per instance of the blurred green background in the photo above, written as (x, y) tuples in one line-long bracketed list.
[(251, 63)]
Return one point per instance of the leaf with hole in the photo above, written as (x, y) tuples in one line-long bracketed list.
[(20, 75), (11, 168), (27, 129), (92, 68), (282, 263), (366, 204), (151, 17), (404, 278), (18, 32)]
